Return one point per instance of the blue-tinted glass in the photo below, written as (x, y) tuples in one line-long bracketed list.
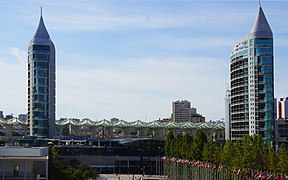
[(43, 123), (251, 51), (42, 90), (41, 73), (269, 106), (268, 97), (268, 116), (42, 98), (263, 42), (268, 78), (266, 60), (41, 48), (42, 132), (268, 87), (43, 57), (251, 42), (266, 69), (40, 81), (264, 51), (41, 65)]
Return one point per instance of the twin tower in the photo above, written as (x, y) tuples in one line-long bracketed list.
[(251, 82), (41, 84)]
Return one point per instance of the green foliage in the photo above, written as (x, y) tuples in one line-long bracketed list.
[(209, 151), (283, 159), (251, 153), (228, 154), (197, 145), (272, 160), (72, 170), (168, 147), (237, 160)]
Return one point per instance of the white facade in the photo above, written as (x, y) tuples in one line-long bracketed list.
[(282, 108), (227, 115), (182, 112), (24, 163)]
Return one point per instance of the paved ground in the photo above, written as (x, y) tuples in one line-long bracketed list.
[(129, 177)]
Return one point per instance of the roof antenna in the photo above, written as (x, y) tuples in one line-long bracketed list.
[(41, 11), (259, 3)]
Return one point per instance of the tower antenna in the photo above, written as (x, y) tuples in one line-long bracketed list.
[(259, 3), (41, 11)]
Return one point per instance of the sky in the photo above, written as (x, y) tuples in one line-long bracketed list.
[(130, 59)]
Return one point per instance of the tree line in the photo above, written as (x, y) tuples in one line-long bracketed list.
[(71, 170), (249, 153)]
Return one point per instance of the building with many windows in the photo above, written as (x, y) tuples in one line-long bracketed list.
[(182, 112), (252, 83), (41, 83)]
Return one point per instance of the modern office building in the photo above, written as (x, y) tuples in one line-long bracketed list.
[(41, 83), (182, 112), (252, 83)]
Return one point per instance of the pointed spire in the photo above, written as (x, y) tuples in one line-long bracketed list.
[(261, 28), (41, 31), (259, 3)]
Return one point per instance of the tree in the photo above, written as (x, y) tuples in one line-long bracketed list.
[(272, 160), (260, 152), (185, 146), (198, 145), (73, 170), (168, 147), (237, 160), (283, 159), (209, 151), (228, 154)]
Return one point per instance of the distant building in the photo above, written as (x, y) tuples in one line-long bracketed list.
[(114, 120), (182, 112), (41, 84), (9, 116), (252, 83), (282, 108), (1, 114), (22, 117)]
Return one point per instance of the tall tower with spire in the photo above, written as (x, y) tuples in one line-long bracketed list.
[(252, 83), (41, 83)]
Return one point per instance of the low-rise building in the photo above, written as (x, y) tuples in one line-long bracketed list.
[(24, 163)]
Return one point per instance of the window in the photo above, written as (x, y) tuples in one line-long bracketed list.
[(266, 60), (268, 78), (41, 65), (43, 57), (263, 42), (264, 51), (41, 48), (16, 170)]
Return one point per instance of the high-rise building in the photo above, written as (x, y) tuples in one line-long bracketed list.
[(252, 83), (182, 112), (41, 83), (281, 108)]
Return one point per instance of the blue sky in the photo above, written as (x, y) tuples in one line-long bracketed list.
[(130, 59)]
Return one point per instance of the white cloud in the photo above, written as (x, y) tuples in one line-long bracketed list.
[(19, 54), (139, 89)]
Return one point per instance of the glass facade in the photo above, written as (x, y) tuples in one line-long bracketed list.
[(252, 83), (39, 65), (41, 84), (265, 93)]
